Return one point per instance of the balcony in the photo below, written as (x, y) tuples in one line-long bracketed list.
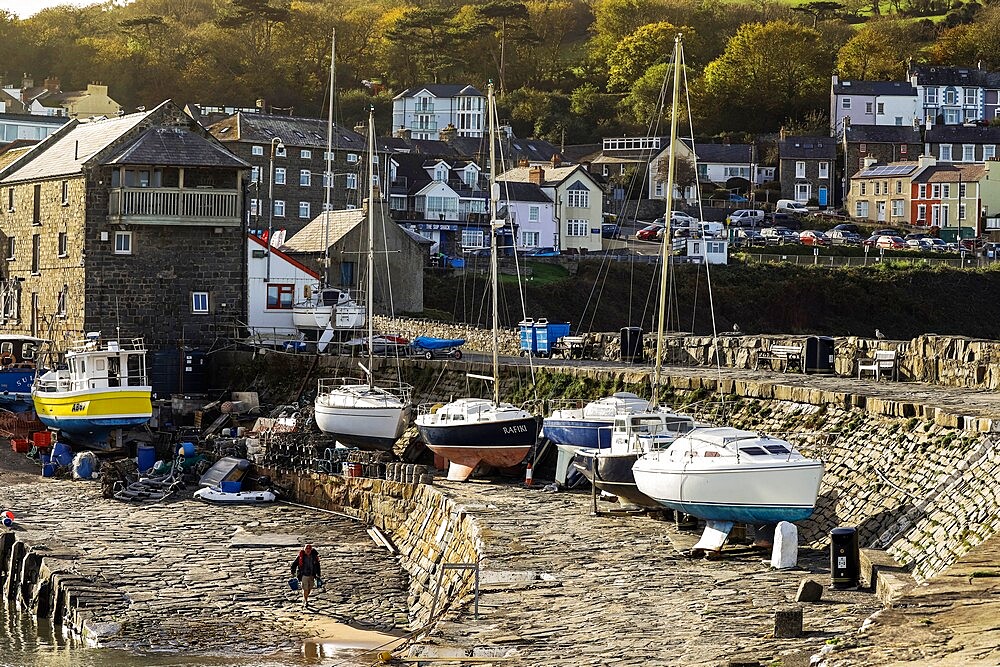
[(174, 206), (424, 108), (424, 126)]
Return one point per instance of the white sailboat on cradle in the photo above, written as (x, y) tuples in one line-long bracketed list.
[(724, 474), (470, 431), (355, 410)]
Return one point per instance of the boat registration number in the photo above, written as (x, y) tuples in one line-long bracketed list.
[(517, 428), (79, 407)]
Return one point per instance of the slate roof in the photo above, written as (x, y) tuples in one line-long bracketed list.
[(969, 134), (950, 173), (883, 134), (60, 100), (441, 90), (937, 75), (313, 237), (295, 131), (65, 152), (8, 156), (580, 152), (519, 191), (552, 176), (721, 153), (13, 103), (880, 88), (810, 148), (176, 147), (34, 118)]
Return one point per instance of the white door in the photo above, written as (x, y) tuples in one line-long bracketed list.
[(881, 211)]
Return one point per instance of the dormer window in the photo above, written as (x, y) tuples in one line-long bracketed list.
[(440, 173)]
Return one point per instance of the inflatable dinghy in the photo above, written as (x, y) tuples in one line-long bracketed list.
[(213, 494)]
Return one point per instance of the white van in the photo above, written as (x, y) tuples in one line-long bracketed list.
[(746, 217), (711, 229), (790, 206)]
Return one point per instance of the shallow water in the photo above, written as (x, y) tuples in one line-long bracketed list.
[(25, 642)]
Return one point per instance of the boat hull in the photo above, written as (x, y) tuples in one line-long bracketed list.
[(746, 494), (580, 433), (15, 388), (375, 428), (500, 443), (91, 416), (614, 475)]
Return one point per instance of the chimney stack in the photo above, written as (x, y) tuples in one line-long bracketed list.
[(448, 133), (556, 160), (27, 81), (403, 133), (536, 175), (869, 161), (52, 84), (926, 161)]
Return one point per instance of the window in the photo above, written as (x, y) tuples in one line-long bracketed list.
[(65, 193), (861, 209), (11, 243), (279, 297), (931, 96), (951, 97), (529, 239), (352, 158), (255, 174), (280, 150), (863, 148), (63, 244), (951, 116), (352, 182), (36, 254), (803, 191), (61, 302), (945, 191), (880, 108), (845, 103), (305, 178), (968, 153), (578, 198), (902, 148), (921, 212), (944, 152), (472, 238), (254, 207), (305, 154), (989, 152), (279, 208), (869, 107), (922, 191), (897, 208), (824, 170), (10, 199), (935, 191), (36, 212), (862, 188), (898, 120), (123, 243), (279, 176), (962, 187), (878, 188), (899, 187), (961, 211), (257, 150), (199, 303), (800, 169), (970, 97), (441, 173), (577, 228), (532, 214), (304, 209)]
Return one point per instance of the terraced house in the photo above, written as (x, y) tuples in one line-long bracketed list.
[(131, 224)]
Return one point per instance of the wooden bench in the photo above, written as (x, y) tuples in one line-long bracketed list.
[(883, 362), (786, 356)]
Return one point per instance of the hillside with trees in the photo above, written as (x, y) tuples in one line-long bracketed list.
[(567, 70)]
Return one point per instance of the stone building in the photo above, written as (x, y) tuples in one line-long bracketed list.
[(129, 225), (299, 166), (400, 253), (806, 169)]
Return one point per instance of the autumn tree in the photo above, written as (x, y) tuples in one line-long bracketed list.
[(649, 45), (768, 72), (879, 51), (971, 44)]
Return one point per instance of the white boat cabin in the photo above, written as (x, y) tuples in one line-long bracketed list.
[(96, 364)]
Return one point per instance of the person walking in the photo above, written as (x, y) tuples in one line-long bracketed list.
[(305, 567)]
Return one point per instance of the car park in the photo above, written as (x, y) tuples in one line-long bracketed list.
[(779, 235), (813, 237), (843, 237)]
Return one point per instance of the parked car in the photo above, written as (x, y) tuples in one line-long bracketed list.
[(889, 231), (682, 219), (920, 244), (890, 242), (748, 238), (847, 227), (971, 244), (814, 237), (711, 229), (542, 252), (916, 235), (939, 245), (844, 237), (783, 220), (779, 235), (650, 232), (610, 230), (746, 217)]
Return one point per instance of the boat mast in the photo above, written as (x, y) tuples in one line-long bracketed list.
[(667, 240), (494, 280), (371, 242), (329, 168)]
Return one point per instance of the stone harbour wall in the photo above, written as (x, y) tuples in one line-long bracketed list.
[(428, 529)]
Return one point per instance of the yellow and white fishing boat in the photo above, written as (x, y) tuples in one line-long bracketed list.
[(102, 386)]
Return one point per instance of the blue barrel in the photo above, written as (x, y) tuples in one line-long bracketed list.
[(62, 454), (145, 456), (186, 449)]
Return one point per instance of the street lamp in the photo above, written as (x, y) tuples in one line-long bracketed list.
[(276, 144)]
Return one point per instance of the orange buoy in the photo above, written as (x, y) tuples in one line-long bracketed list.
[(7, 518), (528, 476)]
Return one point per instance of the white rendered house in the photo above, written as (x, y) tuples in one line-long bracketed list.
[(424, 111), (269, 301)]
